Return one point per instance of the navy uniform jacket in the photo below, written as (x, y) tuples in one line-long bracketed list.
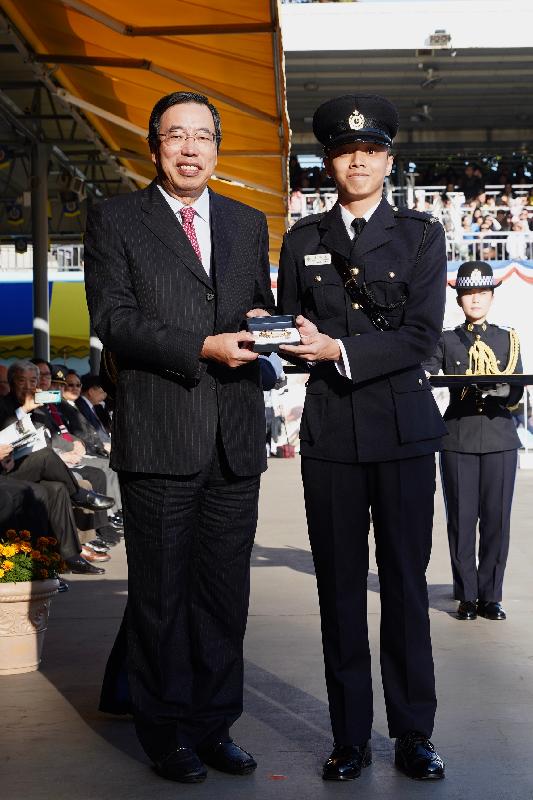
[(472, 431), (386, 411)]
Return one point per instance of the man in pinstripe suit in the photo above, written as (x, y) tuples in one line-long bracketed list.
[(171, 271)]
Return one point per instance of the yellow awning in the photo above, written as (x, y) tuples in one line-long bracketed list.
[(115, 58)]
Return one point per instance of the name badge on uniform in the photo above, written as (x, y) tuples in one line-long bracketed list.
[(317, 259)]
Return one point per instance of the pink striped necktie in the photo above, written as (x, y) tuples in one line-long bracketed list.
[(187, 215)]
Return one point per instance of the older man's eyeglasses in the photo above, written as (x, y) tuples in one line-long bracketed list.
[(176, 137)]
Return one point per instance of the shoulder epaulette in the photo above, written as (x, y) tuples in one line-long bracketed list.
[(301, 223), (410, 213), (505, 327)]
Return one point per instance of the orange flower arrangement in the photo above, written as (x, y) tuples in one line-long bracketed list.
[(20, 560)]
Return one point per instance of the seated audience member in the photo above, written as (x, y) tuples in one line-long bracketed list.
[(22, 377), (69, 384), (79, 426), (67, 428), (41, 481), (92, 395)]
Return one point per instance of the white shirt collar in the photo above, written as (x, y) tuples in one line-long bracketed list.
[(200, 205), (348, 217)]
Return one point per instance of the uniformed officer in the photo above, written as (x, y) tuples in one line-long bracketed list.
[(368, 282), (478, 461)]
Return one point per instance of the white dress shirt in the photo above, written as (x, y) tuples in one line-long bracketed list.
[(200, 222), (343, 365)]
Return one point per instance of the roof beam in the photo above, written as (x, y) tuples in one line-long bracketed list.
[(167, 30), (200, 30), (139, 63), (100, 112), (92, 61)]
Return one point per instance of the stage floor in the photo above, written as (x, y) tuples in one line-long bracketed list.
[(55, 744)]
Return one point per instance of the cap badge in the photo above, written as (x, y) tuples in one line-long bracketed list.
[(356, 120), (475, 275)]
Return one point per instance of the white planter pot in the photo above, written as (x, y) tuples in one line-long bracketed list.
[(24, 610)]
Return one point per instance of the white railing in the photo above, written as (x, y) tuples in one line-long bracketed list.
[(65, 258), (501, 246)]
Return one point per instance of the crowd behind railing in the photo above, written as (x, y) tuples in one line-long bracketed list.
[(483, 222)]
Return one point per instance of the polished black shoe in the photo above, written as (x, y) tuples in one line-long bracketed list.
[(183, 765), (81, 566), (346, 762), (417, 758), (466, 610), (228, 757), (491, 610), (91, 500), (63, 586)]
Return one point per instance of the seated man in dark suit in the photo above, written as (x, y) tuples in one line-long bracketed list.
[(19, 404), (92, 394), (41, 486), (62, 421)]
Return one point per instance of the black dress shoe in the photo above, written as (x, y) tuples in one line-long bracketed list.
[(91, 500), (466, 610), (228, 757), (491, 610), (81, 566), (63, 586), (417, 758), (183, 765), (346, 761)]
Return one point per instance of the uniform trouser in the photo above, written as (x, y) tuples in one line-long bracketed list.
[(337, 499), (188, 541), (478, 487)]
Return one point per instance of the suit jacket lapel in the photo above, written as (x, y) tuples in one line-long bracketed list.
[(221, 237), (158, 217)]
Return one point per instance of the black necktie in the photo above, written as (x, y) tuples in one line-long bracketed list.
[(358, 225)]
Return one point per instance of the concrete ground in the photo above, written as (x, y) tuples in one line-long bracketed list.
[(55, 745)]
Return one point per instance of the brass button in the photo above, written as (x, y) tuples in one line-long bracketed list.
[(210, 296), (318, 278), (354, 270), (356, 306), (392, 274), (498, 361), (458, 363)]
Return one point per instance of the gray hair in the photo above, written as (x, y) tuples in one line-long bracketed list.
[(21, 366)]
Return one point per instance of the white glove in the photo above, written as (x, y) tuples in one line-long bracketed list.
[(501, 390)]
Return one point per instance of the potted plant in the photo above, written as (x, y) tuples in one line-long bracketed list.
[(28, 581)]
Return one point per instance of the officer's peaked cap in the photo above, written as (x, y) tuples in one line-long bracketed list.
[(475, 275), (59, 373), (355, 118)]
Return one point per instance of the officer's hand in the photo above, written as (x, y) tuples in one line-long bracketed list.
[(257, 312), (232, 349), (501, 390), (315, 346)]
